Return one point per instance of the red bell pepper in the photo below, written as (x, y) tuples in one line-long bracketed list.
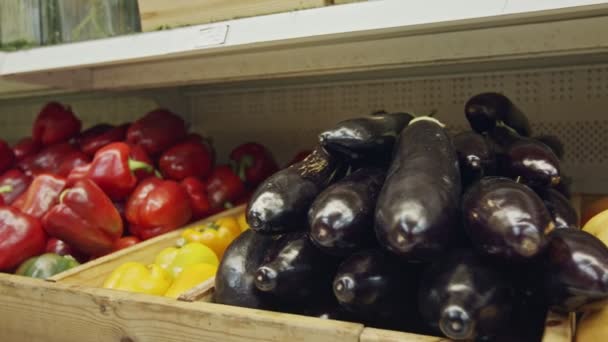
[(188, 159), (41, 196), (157, 131), (139, 154), (105, 134), (224, 188), (21, 237), (48, 160), (157, 206), (125, 242), (12, 184), (7, 156), (85, 218), (26, 147), (253, 163), (112, 170), (72, 161), (54, 124), (59, 247), (199, 200)]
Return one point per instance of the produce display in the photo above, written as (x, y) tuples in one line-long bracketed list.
[(393, 222), (175, 270), (81, 194)]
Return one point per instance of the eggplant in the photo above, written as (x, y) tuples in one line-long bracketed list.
[(342, 217), (418, 204), (294, 270), (464, 298), (280, 204), (505, 219), (534, 162), (484, 111), (365, 137), (574, 271), (475, 156), (561, 209), (554, 143), (373, 286), (234, 281)]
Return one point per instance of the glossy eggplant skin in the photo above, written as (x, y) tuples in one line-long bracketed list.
[(419, 201), (574, 270), (464, 298), (554, 143), (234, 281), (280, 204), (475, 156), (506, 220), (561, 209), (341, 218), (294, 270), (365, 137), (371, 285), (484, 111), (534, 162)]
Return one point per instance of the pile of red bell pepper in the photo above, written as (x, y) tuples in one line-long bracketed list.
[(88, 193)]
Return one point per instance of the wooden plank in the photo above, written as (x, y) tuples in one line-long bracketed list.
[(379, 335), (559, 328), (93, 273), (201, 293), (159, 13), (34, 310)]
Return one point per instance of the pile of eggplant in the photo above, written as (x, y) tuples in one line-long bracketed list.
[(394, 223)]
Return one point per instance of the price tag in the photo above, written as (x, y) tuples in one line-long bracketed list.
[(210, 35)]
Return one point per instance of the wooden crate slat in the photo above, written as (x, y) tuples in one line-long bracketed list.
[(35, 310)]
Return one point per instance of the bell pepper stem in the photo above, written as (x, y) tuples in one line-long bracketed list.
[(5, 189), (245, 163), (135, 165)]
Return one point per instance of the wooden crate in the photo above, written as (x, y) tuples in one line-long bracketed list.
[(72, 306)]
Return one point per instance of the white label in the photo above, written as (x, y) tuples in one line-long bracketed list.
[(211, 35)]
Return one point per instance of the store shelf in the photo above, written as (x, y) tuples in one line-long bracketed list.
[(379, 39)]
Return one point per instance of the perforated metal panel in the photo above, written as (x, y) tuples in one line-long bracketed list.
[(571, 103)]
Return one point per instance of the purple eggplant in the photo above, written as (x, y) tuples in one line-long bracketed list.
[(464, 298), (342, 217), (561, 209), (485, 111), (534, 162), (574, 270), (365, 137), (280, 204), (554, 143), (373, 286), (294, 270), (505, 219), (234, 281), (475, 156), (418, 204)]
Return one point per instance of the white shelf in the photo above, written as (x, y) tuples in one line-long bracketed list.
[(388, 38)]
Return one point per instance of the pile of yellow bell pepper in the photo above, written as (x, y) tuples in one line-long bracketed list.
[(178, 269)]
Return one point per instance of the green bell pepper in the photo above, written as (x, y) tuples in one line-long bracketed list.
[(46, 265)]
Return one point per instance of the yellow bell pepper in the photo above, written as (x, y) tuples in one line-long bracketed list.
[(598, 226), (174, 260), (137, 277), (242, 220), (217, 237), (190, 277), (230, 223)]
